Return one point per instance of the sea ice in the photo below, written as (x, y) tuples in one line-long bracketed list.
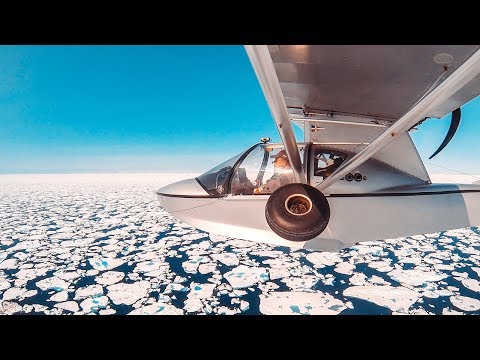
[(105, 263), (91, 290), (322, 259), (157, 309), (53, 283), (300, 303), (68, 305), (59, 297), (8, 264), (465, 303), (243, 276), (13, 293), (110, 277), (94, 304), (415, 277), (228, 259), (395, 298), (302, 283), (201, 291), (345, 268), (128, 294)]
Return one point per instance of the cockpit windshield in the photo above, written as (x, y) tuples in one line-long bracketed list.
[(258, 170), (214, 180)]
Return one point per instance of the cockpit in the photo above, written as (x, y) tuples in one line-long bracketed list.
[(263, 168), (259, 170)]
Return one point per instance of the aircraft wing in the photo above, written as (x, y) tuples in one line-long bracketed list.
[(395, 86), (382, 81)]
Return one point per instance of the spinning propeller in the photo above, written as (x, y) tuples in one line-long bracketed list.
[(456, 114)]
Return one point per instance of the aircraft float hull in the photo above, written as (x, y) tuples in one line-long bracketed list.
[(354, 217)]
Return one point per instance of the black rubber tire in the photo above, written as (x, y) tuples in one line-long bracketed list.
[(297, 227)]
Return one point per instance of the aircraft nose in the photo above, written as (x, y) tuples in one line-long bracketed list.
[(182, 195), (183, 188)]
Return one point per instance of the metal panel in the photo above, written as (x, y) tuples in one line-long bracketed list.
[(403, 155), (371, 80)]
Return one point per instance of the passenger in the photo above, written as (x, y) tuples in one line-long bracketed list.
[(283, 174)]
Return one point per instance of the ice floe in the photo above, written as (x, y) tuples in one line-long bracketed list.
[(59, 297), (53, 283), (128, 294), (8, 264), (91, 290), (358, 279), (397, 299), (4, 285), (74, 244), (344, 268), (110, 277), (228, 259), (9, 308), (94, 304), (278, 273), (157, 309), (193, 305), (301, 283), (465, 303), (13, 293), (300, 303), (415, 277), (244, 276), (201, 291), (321, 259), (103, 264), (206, 268), (68, 305)]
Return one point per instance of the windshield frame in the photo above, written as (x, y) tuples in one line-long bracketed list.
[(214, 192)]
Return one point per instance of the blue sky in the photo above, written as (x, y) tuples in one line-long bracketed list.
[(154, 109)]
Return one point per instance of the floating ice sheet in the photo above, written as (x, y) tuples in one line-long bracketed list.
[(53, 283), (299, 303), (415, 277), (128, 294), (69, 239), (110, 277), (465, 303), (102, 264), (395, 298), (157, 309), (244, 276)]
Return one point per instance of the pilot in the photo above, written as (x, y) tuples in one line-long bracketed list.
[(283, 174), (331, 168)]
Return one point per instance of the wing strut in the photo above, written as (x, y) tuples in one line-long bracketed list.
[(266, 74), (464, 73), (456, 114)]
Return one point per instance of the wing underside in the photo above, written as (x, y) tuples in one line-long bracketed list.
[(362, 97), (381, 81)]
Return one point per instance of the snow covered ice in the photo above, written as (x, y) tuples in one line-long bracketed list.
[(101, 244)]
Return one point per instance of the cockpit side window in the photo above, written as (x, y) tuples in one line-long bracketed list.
[(214, 181), (327, 161), (263, 171)]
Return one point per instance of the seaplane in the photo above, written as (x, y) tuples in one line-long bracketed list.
[(357, 175)]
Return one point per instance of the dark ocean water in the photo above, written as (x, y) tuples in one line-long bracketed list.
[(71, 245)]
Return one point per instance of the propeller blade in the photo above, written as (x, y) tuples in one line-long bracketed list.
[(456, 114)]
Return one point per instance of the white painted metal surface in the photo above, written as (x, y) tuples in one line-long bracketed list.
[(387, 214), (394, 196)]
